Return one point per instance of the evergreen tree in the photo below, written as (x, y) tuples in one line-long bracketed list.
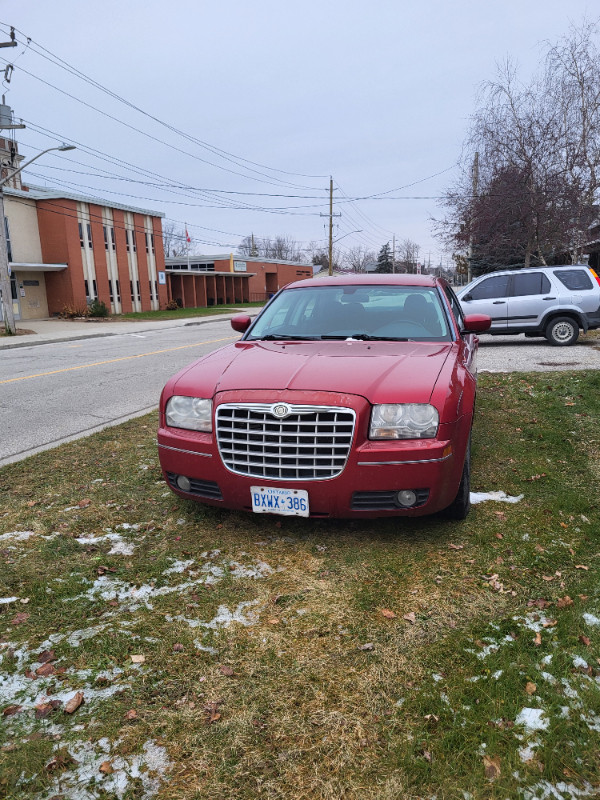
[(384, 259)]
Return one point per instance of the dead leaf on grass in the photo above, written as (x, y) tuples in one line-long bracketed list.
[(538, 639), (563, 602), (585, 640), (45, 656), (212, 710), (44, 670), (106, 768), (84, 503), (226, 670), (138, 659), (131, 714), (581, 566), (10, 711), (44, 709), (178, 648), (456, 546), (367, 646), (21, 617), (74, 703), (491, 767), (530, 687), (387, 613), (410, 617)]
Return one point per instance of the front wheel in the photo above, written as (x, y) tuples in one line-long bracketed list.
[(562, 331), (460, 506)]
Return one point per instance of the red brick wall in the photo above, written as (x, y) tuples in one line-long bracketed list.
[(59, 238)]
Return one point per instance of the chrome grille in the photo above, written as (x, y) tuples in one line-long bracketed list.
[(309, 443)]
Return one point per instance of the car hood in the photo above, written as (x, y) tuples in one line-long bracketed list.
[(374, 370)]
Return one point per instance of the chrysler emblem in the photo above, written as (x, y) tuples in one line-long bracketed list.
[(281, 410)]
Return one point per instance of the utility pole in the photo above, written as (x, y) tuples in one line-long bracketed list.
[(475, 184), (5, 283), (331, 215)]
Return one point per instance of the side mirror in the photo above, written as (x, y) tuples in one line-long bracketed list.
[(476, 323), (467, 297), (241, 322)]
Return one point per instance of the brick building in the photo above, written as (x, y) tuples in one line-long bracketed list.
[(226, 278), (67, 249)]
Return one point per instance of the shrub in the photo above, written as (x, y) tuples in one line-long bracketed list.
[(172, 305), (97, 308), (70, 311)]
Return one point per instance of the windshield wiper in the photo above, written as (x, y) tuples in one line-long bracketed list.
[(367, 337), (272, 337)]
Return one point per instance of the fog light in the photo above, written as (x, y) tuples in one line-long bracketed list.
[(406, 497), (183, 483)]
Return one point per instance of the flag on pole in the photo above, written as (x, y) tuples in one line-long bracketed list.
[(187, 236)]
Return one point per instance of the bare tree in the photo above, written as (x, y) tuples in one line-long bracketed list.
[(279, 248), (175, 240), (356, 259), (538, 150), (408, 256)]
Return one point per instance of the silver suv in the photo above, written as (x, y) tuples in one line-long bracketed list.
[(554, 302)]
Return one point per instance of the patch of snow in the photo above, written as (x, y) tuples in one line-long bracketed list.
[(590, 619), (580, 662), (120, 546), (17, 536), (548, 677), (205, 648), (544, 790), (532, 719), (528, 752), (497, 674), (592, 721), (525, 537), (568, 689), (499, 497), (437, 678), (84, 781), (546, 659), (8, 600), (178, 566)]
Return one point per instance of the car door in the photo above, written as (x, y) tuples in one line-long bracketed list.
[(489, 296), (531, 296)]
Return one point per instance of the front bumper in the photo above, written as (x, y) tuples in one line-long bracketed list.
[(367, 487)]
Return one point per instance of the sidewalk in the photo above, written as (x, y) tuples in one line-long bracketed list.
[(47, 331)]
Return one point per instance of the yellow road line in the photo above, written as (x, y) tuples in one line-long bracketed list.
[(114, 360)]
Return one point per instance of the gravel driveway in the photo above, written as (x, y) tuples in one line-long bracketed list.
[(518, 354)]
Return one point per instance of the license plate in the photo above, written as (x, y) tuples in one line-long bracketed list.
[(288, 502)]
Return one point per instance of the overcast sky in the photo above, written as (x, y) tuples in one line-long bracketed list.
[(272, 97)]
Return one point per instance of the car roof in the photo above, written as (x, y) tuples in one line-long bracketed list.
[(515, 270), (370, 280)]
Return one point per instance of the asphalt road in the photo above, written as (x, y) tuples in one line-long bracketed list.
[(52, 393)]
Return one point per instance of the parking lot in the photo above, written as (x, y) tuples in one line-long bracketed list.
[(518, 354)]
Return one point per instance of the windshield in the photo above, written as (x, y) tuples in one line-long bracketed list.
[(377, 312)]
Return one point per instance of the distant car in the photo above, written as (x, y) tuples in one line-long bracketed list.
[(346, 397), (554, 302)]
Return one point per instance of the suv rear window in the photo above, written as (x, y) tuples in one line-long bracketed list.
[(530, 283), (574, 279)]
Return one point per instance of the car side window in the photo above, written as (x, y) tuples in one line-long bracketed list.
[(455, 306), (491, 287), (574, 279), (530, 283)]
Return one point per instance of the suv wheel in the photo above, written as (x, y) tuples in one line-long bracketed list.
[(461, 505), (562, 331)]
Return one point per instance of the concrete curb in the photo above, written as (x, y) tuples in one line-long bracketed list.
[(29, 341)]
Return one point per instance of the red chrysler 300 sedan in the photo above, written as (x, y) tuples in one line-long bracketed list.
[(345, 397)]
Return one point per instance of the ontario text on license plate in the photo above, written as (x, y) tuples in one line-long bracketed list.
[(271, 500)]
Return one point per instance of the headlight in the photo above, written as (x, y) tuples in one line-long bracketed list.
[(404, 421), (193, 413)]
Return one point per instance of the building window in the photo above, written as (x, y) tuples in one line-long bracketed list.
[(105, 237), (8, 245), (89, 236), (81, 242), (112, 239), (133, 242), (118, 292), (127, 245), (139, 296), (131, 289)]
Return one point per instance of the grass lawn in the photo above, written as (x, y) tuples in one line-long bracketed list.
[(222, 655), (184, 313)]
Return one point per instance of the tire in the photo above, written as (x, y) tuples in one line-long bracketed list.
[(461, 505), (562, 331)]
